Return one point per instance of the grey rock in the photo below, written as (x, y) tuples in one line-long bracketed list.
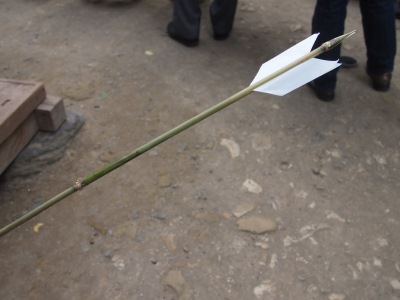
[(45, 148)]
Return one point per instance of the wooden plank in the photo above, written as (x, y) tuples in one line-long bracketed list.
[(20, 137), (50, 114), (18, 99)]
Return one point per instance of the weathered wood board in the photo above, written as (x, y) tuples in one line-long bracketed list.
[(18, 99), (19, 138)]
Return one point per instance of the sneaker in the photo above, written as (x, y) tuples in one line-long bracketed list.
[(322, 94), (380, 83), (183, 41)]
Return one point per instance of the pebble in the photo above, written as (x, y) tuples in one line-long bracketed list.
[(242, 209), (118, 262), (251, 186), (37, 227), (169, 242), (274, 261), (336, 153), (266, 287), (377, 262), (395, 284), (232, 146), (257, 224), (337, 296), (175, 280), (156, 214), (108, 253)]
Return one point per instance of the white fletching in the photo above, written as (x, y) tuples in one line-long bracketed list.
[(297, 76)]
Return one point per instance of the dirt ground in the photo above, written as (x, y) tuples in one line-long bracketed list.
[(323, 177)]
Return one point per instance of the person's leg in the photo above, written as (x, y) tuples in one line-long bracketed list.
[(328, 20), (379, 26), (185, 26), (397, 9), (222, 14)]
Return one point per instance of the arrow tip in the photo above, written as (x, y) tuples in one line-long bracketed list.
[(336, 41)]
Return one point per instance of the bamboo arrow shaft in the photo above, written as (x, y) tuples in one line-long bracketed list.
[(167, 135), (115, 165)]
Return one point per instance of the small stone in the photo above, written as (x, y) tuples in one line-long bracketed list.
[(336, 153), (118, 262), (232, 147), (273, 261), (395, 284), (377, 262), (169, 242), (156, 214), (227, 215), (266, 287), (251, 186), (37, 227), (108, 253), (242, 209), (175, 280), (256, 224), (262, 245), (337, 296)]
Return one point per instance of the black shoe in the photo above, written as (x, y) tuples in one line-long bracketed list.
[(348, 62), (183, 41), (221, 37), (380, 83), (322, 94)]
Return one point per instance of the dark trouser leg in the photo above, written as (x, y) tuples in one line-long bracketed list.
[(328, 20), (222, 13), (378, 18), (186, 21)]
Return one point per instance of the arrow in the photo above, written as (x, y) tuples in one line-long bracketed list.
[(287, 66)]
